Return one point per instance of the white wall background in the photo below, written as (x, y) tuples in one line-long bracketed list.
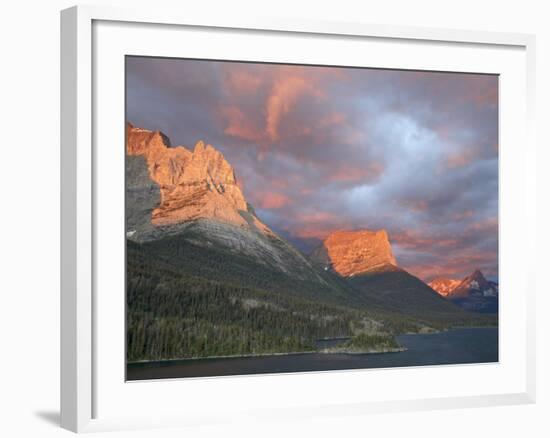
[(29, 217)]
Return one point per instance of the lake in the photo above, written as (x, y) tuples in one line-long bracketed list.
[(459, 346)]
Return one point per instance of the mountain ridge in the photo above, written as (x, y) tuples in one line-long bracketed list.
[(474, 292), (444, 286), (454, 288)]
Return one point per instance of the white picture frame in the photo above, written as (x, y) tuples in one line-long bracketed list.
[(86, 376)]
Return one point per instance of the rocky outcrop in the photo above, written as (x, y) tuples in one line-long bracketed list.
[(194, 184), (355, 252), (444, 286)]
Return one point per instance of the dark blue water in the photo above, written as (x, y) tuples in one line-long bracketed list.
[(461, 346)]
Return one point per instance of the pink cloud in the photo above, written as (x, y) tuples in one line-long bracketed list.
[(463, 215), (481, 93), (459, 253), (317, 217), (490, 224), (353, 174), (284, 94), (418, 206), (278, 90), (415, 240), (272, 200), (461, 159), (239, 125), (333, 119), (454, 267), (318, 225), (280, 183), (312, 231), (240, 81)]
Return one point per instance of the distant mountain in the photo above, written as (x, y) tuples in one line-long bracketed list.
[(443, 286), (475, 284), (354, 252), (474, 292), (365, 259)]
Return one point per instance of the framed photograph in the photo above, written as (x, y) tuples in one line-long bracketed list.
[(288, 218)]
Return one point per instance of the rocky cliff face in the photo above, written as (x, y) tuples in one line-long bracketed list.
[(355, 252), (193, 184), (184, 185), (444, 286)]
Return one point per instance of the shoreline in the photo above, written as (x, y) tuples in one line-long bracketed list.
[(435, 331), (382, 351), (233, 356), (322, 351), (291, 353)]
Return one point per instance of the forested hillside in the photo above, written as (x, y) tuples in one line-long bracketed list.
[(187, 301), (177, 314)]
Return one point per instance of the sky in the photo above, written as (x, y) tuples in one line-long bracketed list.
[(318, 149)]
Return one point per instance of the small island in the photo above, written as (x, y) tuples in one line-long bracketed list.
[(365, 343)]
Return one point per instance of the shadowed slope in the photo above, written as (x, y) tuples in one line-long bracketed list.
[(365, 260), (396, 290)]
